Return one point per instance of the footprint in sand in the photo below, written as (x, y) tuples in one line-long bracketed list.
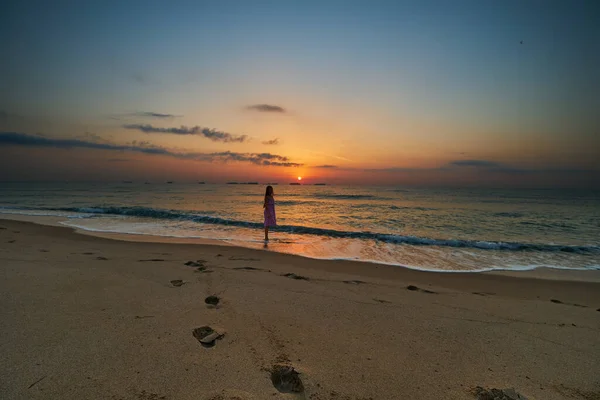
[(497, 394), (198, 263), (286, 379), (207, 335), (151, 260), (11, 241), (177, 282), (212, 300), (43, 251), (101, 258), (354, 282), (418, 289), (88, 254), (291, 275), (568, 304), (251, 269)]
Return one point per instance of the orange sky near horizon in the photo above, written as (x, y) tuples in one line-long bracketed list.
[(403, 93)]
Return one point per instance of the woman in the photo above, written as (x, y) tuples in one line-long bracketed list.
[(269, 206)]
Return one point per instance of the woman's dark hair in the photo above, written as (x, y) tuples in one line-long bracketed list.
[(269, 192)]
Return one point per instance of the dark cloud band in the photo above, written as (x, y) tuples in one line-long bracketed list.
[(266, 108), (271, 142), (212, 134), (25, 140), (154, 114)]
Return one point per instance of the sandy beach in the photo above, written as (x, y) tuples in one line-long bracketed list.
[(87, 317)]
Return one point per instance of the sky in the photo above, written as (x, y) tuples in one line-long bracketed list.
[(428, 93)]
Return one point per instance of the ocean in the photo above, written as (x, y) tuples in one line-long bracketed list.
[(453, 230)]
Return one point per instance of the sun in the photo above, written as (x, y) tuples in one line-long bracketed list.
[(299, 178)]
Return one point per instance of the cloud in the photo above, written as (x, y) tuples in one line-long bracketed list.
[(326, 166), (489, 166), (153, 114), (475, 163), (266, 108), (90, 137), (212, 134), (400, 169), (26, 140), (271, 142)]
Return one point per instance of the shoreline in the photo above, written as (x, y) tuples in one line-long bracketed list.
[(93, 317), (549, 273)]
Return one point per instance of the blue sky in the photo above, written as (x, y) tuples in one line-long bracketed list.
[(357, 79)]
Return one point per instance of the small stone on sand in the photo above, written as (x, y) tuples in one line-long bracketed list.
[(206, 335), (177, 282), (412, 287), (210, 338), (212, 300)]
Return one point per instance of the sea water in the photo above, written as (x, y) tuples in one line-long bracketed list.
[(428, 229)]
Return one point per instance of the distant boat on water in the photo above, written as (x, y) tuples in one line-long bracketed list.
[(233, 183), (294, 183), (273, 184), (320, 184), (169, 182)]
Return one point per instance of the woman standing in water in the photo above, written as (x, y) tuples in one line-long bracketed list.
[(269, 206)]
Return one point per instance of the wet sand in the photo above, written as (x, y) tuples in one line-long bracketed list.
[(87, 317)]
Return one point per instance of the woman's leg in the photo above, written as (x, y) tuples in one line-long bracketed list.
[(266, 233)]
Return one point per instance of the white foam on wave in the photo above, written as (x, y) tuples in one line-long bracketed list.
[(124, 225), (475, 270), (280, 243), (34, 213), (130, 232)]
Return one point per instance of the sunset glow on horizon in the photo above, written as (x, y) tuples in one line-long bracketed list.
[(389, 93)]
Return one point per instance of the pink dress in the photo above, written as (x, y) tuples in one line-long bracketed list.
[(270, 219)]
